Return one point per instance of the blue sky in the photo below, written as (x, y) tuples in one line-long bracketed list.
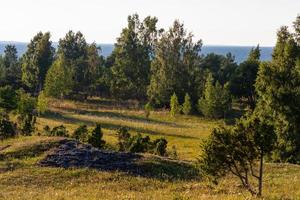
[(216, 22)]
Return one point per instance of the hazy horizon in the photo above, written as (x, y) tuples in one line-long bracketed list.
[(216, 22)]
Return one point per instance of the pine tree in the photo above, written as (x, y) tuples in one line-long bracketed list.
[(175, 67), (174, 105), (132, 57), (59, 82), (278, 88), (10, 68), (36, 62), (95, 138), (187, 106), (243, 79), (216, 100)]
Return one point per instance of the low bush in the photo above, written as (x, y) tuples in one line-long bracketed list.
[(95, 138), (7, 128), (140, 144), (81, 133), (60, 131)]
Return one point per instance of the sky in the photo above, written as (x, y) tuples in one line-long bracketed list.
[(216, 22)]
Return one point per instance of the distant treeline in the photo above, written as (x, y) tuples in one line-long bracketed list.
[(240, 52)]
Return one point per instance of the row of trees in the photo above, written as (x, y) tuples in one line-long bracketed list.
[(147, 64)]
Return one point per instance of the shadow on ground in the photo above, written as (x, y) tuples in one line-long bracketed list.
[(120, 116), (67, 119)]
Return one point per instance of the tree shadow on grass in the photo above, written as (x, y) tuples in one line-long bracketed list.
[(29, 151), (121, 116), (67, 119)]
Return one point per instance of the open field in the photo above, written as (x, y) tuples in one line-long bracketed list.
[(22, 178)]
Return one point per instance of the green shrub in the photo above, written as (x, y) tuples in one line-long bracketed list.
[(42, 103), (26, 124), (148, 109), (8, 98), (174, 105), (7, 128), (139, 144), (81, 133), (123, 139), (160, 146), (95, 138), (60, 131), (27, 115), (187, 105)]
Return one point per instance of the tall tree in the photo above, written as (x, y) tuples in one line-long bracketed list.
[(175, 67), (216, 99), (11, 70), (278, 88), (36, 61), (81, 61), (132, 57), (59, 82), (243, 79)]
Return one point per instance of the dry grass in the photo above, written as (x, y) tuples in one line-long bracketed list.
[(22, 178)]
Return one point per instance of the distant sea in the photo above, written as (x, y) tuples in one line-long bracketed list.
[(240, 52)]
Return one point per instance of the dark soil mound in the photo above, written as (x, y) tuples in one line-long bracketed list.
[(75, 154)]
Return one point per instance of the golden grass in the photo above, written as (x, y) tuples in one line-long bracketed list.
[(22, 178)]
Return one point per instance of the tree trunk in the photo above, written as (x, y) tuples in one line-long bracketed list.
[(260, 175)]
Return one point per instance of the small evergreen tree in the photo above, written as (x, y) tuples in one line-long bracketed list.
[(8, 98), (27, 115), (216, 100), (175, 107), (7, 128), (239, 150), (187, 106), (95, 138), (42, 103), (148, 109), (81, 133), (58, 81)]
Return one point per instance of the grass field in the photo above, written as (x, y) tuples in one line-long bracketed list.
[(22, 178)]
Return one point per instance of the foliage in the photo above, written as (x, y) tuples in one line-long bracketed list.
[(175, 67), (187, 105), (8, 98), (160, 146), (58, 81), (36, 61), (140, 144), (27, 114), (81, 133), (95, 138), (174, 105), (132, 57), (216, 100), (123, 139), (42, 103), (148, 109), (238, 150), (278, 88), (10, 69), (243, 79), (7, 128), (59, 131)]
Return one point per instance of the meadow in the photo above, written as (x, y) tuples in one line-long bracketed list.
[(22, 178)]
